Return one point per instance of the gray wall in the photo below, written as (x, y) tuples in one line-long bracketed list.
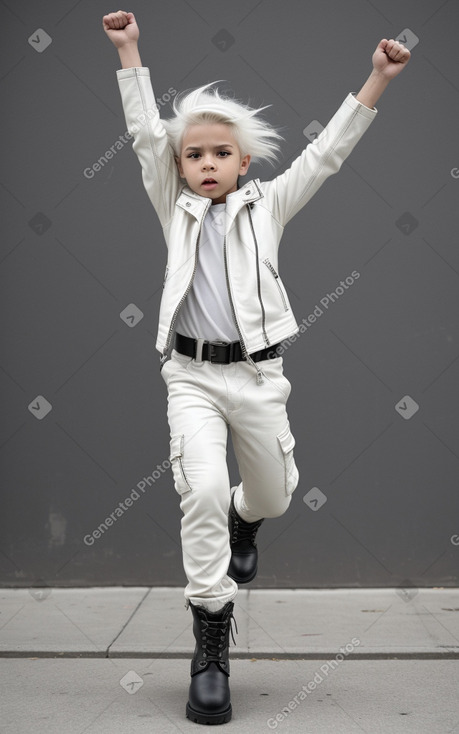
[(78, 251)]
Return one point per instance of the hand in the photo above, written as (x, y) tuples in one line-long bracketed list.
[(121, 28), (390, 58)]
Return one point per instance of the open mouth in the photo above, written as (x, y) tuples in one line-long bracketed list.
[(208, 181)]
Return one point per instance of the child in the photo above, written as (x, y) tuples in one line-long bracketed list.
[(225, 301)]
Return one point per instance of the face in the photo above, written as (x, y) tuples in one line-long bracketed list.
[(210, 152)]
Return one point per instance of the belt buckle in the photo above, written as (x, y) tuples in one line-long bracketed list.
[(212, 353)]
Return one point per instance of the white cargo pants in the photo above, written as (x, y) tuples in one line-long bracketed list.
[(203, 400)]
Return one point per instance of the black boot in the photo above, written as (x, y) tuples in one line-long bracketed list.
[(244, 553), (209, 696)]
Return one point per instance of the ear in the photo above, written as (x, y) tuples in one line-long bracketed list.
[(245, 163), (179, 166)]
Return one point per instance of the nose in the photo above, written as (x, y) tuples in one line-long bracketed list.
[(207, 162)]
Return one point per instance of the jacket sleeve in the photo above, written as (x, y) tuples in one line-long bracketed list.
[(156, 156), (290, 191)]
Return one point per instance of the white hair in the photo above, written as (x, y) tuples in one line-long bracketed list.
[(253, 134)]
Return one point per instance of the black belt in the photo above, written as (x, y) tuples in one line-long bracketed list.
[(219, 352)]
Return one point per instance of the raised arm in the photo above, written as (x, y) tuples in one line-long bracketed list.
[(290, 191), (159, 170)]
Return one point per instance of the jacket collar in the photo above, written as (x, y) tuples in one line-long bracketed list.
[(195, 204)]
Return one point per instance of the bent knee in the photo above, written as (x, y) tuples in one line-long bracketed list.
[(275, 508), (281, 508)]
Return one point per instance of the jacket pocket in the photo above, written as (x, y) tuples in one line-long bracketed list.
[(176, 458), (287, 442), (275, 275)]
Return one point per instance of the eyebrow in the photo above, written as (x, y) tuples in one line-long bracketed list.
[(197, 147)]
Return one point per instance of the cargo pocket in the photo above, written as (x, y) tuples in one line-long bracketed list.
[(287, 442), (176, 458)]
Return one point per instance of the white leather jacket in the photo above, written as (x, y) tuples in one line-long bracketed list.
[(256, 215)]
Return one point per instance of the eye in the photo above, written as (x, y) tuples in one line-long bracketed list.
[(224, 152)]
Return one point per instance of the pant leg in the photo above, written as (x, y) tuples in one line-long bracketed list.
[(263, 442), (198, 448)]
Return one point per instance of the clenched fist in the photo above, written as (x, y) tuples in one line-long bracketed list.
[(121, 28), (390, 58)]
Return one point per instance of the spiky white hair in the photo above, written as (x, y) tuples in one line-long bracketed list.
[(253, 135)]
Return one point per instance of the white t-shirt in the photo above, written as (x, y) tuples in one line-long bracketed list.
[(206, 312)]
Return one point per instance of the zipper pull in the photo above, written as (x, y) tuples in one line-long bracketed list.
[(162, 359), (260, 380)]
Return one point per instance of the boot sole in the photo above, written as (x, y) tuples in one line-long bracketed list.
[(202, 718)]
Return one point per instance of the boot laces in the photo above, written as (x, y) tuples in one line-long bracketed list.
[(214, 636), (244, 531)]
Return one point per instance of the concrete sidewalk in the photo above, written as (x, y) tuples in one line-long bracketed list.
[(373, 660), (143, 622)]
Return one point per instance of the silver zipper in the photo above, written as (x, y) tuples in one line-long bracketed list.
[(182, 470), (233, 311), (263, 313), (276, 276), (174, 317)]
